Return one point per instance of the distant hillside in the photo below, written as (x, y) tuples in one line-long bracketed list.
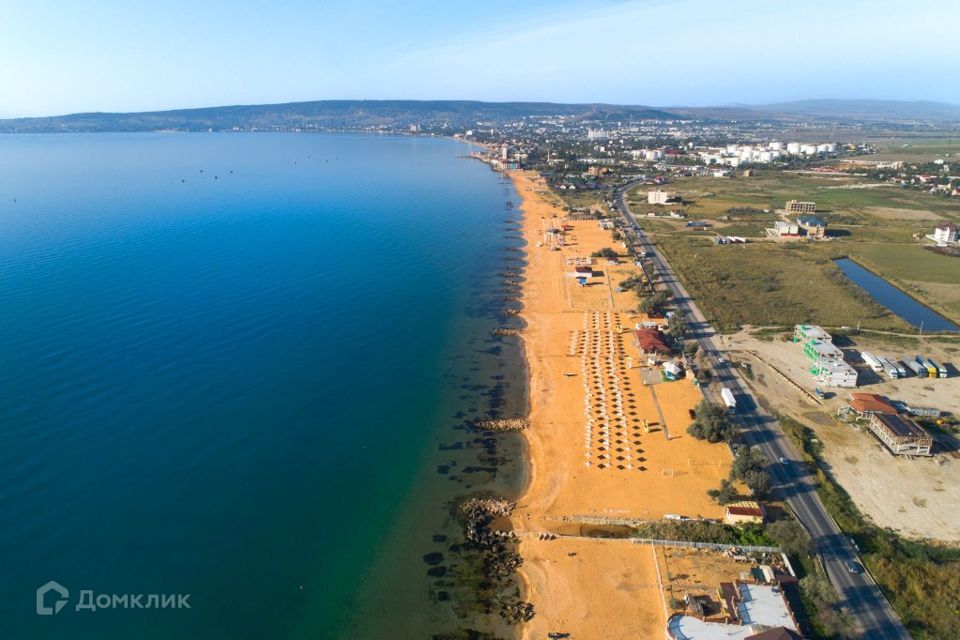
[(328, 114), (898, 110)]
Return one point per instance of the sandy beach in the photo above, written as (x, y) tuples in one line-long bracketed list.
[(607, 437)]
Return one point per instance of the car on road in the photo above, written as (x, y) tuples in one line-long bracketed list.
[(784, 461), (853, 566)]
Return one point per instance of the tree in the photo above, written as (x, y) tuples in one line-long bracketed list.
[(758, 482), (653, 305), (676, 325), (820, 595), (606, 252), (748, 460), (690, 349), (712, 423), (791, 537), (633, 282), (749, 467), (726, 494)]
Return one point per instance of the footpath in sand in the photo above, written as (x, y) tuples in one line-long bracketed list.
[(605, 447)]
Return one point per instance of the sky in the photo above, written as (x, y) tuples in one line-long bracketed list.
[(97, 55)]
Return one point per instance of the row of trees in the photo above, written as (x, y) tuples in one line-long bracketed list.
[(712, 423), (655, 303)]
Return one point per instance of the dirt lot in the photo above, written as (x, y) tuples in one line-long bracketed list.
[(685, 570), (918, 497)]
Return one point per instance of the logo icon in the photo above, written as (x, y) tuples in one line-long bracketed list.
[(42, 608)]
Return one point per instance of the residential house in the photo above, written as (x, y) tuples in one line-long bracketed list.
[(946, 233), (813, 226)]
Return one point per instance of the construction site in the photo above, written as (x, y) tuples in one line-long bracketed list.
[(902, 487)]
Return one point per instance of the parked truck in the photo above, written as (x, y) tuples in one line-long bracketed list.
[(889, 368), (931, 368), (901, 370), (941, 370), (917, 368), (728, 399), (872, 360)]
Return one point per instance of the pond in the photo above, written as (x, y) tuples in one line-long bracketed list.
[(894, 299)]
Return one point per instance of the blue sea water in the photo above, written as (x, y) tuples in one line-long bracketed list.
[(225, 362)]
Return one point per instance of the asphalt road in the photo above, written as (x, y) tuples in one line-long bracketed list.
[(791, 479)]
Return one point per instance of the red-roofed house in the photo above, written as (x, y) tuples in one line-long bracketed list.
[(651, 341), (866, 404), (744, 512)]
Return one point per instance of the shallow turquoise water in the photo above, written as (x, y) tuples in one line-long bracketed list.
[(223, 359)]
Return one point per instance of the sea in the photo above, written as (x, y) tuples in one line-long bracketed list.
[(238, 374)]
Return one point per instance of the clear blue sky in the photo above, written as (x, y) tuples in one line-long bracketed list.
[(95, 55)]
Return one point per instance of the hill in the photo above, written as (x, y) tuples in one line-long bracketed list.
[(329, 114)]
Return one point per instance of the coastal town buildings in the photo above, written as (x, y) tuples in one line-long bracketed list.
[(733, 155)]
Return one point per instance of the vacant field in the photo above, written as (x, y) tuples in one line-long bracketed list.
[(915, 149), (771, 284), (911, 215), (768, 189), (583, 198), (796, 282), (908, 262)]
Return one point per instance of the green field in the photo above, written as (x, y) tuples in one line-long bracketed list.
[(797, 282), (771, 284), (585, 198), (770, 189), (914, 149)]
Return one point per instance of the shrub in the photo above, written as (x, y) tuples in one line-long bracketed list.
[(606, 252)]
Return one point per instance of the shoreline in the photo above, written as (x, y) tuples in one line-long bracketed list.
[(580, 479)]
